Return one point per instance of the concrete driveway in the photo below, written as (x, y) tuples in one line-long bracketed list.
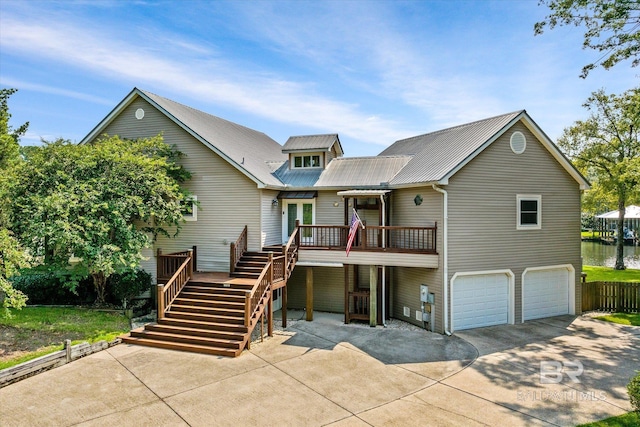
[(326, 373)]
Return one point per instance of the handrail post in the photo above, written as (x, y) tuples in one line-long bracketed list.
[(247, 308), (194, 259), (160, 301), (232, 264), (190, 268)]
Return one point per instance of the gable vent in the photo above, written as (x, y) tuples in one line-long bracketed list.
[(518, 142)]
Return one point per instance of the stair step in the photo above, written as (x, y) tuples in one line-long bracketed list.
[(228, 312), (235, 289), (183, 300), (198, 324), (187, 339), (183, 347), (201, 317), (221, 297), (245, 274), (188, 331)]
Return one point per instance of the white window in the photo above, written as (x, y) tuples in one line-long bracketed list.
[(310, 161), (529, 212), (190, 208)]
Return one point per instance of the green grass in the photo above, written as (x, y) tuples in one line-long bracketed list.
[(36, 331), (608, 274), (630, 419), (632, 319)]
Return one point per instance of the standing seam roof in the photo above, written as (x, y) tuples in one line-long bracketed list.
[(438, 153), (247, 148)]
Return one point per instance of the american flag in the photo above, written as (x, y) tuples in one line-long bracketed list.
[(353, 230)]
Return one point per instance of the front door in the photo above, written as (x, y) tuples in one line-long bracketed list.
[(293, 210)]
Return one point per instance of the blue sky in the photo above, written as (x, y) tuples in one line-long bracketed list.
[(372, 71)]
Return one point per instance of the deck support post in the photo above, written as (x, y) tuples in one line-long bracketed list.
[(283, 311), (346, 294), (309, 294), (373, 288)]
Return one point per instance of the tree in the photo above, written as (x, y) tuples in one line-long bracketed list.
[(612, 28), (606, 147), (12, 256), (99, 203), (9, 137)]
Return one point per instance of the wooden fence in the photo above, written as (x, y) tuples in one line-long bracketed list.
[(611, 296)]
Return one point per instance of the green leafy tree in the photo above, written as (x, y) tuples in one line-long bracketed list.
[(97, 204), (9, 137), (606, 147), (612, 28), (12, 256)]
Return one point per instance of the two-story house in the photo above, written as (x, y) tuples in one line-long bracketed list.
[(470, 226)]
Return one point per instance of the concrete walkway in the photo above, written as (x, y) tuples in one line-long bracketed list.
[(326, 373)]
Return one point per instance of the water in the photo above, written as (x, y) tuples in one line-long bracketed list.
[(594, 253)]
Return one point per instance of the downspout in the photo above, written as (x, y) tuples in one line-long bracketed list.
[(384, 277), (445, 256)]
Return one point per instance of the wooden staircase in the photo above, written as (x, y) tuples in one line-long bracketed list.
[(251, 265), (202, 314), (204, 318)]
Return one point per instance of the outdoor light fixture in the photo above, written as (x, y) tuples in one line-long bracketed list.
[(274, 202), (417, 200), (336, 204)]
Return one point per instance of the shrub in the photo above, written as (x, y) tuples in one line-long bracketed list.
[(43, 286), (128, 285), (634, 392)]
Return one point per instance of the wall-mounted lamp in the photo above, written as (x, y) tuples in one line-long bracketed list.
[(336, 204), (274, 202), (417, 200)]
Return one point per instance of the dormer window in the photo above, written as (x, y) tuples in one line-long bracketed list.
[(307, 161)]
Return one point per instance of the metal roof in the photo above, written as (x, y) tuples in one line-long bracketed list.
[(312, 142), (630, 212), (247, 148), (437, 154), (297, 195), (353, 172), (297, 177)]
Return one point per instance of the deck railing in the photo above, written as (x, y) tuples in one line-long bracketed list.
[(372, 238), (238, 248), (261, 292), (182, 265)]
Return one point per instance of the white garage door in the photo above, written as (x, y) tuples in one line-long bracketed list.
[(545, 293), (480, 300)]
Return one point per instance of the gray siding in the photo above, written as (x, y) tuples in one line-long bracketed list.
[(271, 218), (406, 293), (482, 213), (406, 281), (328, 289), (326, 212), (222, 213)]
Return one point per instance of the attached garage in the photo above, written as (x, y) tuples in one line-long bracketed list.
[(481, 299), (547, 291)]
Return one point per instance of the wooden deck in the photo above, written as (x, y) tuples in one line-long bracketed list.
[(220, 277)]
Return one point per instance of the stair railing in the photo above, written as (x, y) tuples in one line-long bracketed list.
[(259, 297), (238, 248), (290, 252), (168, 291)]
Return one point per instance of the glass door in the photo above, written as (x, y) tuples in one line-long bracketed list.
[(304, 211)]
